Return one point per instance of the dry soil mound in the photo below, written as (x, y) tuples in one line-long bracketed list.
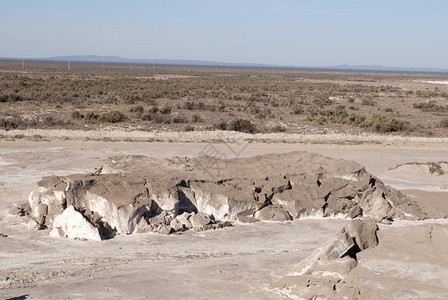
[(138, 194), (429, 168)]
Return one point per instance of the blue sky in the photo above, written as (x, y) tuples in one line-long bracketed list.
[(393, 33)]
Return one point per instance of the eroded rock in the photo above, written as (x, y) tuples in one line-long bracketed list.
[(273, 213), (140, 194), (23, 209), (73, 224), (318, 274), (246, 219)]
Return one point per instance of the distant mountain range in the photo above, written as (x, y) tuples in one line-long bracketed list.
[(117, 59)]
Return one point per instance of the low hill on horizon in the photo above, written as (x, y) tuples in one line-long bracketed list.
[(118, 59)]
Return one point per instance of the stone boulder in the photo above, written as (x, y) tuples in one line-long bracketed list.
[(273, 213), (20, 210), (199, 220), (317, 274)]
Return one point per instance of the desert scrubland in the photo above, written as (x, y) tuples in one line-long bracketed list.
[(332, 184)]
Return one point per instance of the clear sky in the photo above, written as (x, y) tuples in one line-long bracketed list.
[(395, 33)]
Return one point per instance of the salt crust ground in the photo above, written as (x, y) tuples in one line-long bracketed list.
[(133, 134), (238, 262)]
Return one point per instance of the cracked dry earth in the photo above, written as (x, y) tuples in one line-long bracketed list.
[(245, 261)]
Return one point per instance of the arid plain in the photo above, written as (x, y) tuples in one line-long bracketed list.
[(56, 121)]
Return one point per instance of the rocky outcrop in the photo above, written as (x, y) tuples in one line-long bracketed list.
[(321, 274), (361, 262), (138, 194)]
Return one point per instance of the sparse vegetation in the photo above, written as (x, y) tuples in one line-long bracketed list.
[(165, 110), (214, 98), (7, 124), (277, 128), (368, 102), (242, 126), (444, 123), (431, 106), (114, 116), (375, 122), (10, 97)]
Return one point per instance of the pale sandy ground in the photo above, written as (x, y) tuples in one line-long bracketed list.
[(233, 263)]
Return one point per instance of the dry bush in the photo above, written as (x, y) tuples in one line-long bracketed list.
[(444, 123), (165, 110), (114, 116), (180, 119), (375, 122), (137, 109), (277, 128), (242, 125), (274, 95), (323, 101), (221, 125), (430, 106), (189, 105), (7, 124), (368, 102), (196, 118), (13, 97)]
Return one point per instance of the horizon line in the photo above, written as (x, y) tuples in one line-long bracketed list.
[(92, 58)]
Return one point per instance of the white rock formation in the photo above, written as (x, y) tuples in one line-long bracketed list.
[(73, 224), (136, 193)]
